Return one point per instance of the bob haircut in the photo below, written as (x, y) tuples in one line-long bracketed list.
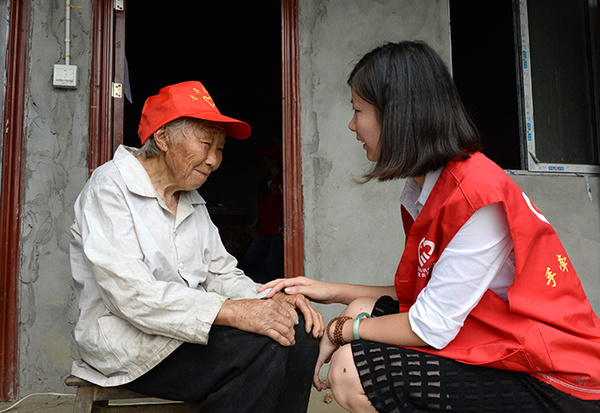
[(424, 123)]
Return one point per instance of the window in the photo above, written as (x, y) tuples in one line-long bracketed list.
[(528, 71)]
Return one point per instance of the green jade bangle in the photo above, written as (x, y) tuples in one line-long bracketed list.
[(357, 321)]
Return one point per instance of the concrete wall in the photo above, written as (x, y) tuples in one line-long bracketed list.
[(56, 124)]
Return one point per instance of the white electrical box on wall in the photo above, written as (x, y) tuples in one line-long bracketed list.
[(65, 76)]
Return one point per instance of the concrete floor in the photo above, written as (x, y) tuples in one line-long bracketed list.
[(48, 403)]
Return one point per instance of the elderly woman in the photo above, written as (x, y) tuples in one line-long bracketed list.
[(164, 309)]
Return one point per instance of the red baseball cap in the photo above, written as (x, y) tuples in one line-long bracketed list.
[(187, 99)]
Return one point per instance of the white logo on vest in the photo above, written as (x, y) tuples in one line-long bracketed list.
[(425, 251)]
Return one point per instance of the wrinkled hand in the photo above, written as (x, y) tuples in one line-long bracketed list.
[(326, 350), (317, 291), (313, 320), (271, 318)]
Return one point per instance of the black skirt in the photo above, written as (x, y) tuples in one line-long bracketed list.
[(397, 379)]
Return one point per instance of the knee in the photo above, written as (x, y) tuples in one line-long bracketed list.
[(308, 344), (343, 378), (360, 305)]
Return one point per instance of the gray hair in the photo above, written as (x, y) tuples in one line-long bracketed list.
[(151, 150)]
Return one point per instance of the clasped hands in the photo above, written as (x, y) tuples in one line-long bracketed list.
[(274, 317)]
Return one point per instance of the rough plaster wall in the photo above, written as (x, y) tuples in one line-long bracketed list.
[(56, 125), (353, 232)]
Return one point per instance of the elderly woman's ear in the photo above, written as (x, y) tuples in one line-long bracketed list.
[(162, 138)]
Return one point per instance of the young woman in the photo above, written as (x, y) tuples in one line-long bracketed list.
[(486, 312)]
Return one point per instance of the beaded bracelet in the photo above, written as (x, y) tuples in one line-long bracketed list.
[(338, 332), (337, 337), (328, 328)]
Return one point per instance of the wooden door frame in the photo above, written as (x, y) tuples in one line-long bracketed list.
[(12, 194), (292, 157), (101, 102), (105, 135)]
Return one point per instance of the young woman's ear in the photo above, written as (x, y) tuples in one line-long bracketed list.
[(162, 139)]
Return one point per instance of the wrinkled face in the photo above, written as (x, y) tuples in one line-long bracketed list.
[(194, 152), (367, 126)]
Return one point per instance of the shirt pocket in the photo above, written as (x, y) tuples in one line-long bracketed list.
[(112, 342)]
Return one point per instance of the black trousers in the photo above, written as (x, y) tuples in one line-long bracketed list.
[(236, 372)]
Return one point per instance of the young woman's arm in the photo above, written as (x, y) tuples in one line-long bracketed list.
[(326, 292), (392, 329)]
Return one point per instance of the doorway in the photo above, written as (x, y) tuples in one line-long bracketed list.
[(237, 54), (106, 112)]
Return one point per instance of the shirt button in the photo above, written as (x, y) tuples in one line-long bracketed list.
[(181, 265)]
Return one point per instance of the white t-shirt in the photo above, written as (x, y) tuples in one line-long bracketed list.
[(479, 257)]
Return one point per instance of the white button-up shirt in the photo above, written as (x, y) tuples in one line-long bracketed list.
[(478, 258), (146, 280)]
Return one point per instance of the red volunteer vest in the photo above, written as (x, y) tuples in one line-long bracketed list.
[(548, 328)]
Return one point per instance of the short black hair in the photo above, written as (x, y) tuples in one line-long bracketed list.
[(424, 123)]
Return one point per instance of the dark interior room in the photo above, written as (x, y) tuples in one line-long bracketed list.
[(236, 53)]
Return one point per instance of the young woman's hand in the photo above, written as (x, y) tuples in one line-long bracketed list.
[(317, 291), (326, 350)]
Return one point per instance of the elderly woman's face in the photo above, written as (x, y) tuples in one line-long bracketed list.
[(193, 154)]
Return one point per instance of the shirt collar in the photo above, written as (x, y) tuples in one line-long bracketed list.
[(413, 197), (137, 179)]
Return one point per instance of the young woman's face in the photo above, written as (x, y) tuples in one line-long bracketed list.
[(366, 124)]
